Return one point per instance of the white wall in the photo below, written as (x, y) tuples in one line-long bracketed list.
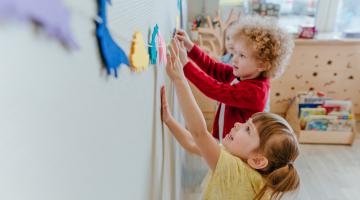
[(67, 131)]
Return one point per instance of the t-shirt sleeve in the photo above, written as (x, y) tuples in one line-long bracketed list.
[(233, 178), (229, 168)]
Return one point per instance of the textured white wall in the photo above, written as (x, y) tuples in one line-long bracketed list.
[(67, 131)]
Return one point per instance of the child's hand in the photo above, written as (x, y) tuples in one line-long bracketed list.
[(174, 67), (165, 112), (184, 38), (180, 51)]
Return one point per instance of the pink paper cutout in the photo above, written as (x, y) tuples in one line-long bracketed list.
[(162, 49)]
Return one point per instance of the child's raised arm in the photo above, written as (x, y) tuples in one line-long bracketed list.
[(208, 146), (217, 70), (182, 135)]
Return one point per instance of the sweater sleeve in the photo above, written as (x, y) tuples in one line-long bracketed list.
[(245, 95), (219, 71)]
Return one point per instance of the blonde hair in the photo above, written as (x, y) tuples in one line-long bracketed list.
[(273, 46), (279, 145)]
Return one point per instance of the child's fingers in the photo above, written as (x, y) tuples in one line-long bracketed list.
[(162, 93), (171, 51), (178, 46), (182, 46), (174, 46), (178, 65), (163, 97), (172, 54), (175, 51), (180, 32), (180, 37), (169, 64), (177, 43)]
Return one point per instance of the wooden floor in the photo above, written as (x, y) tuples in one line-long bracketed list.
[(328, 172)]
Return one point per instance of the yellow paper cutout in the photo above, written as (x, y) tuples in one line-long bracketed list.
[(139, 57), (177, 22)]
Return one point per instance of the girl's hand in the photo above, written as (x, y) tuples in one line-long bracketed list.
[(184, 38), (173, 67), (180, 51), (165, 112)]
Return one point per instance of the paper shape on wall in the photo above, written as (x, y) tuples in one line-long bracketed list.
[(112, 55), (162, 48), (138, 55), (51, 15), (178, 22), (179, 14), (152, 47)]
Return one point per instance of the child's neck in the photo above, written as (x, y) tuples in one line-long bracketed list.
[(251, 76)]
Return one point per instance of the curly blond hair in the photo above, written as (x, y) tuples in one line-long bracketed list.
[(273, 46)]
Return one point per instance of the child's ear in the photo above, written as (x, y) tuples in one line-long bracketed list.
[(263, 67), (258, 161)]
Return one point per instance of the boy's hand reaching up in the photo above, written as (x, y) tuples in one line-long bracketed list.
[(179, 51), (184, 38)]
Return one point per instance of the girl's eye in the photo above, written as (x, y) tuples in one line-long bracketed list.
[(248, 129), (242, 55)]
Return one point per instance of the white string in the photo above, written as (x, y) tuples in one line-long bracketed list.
[(98, 19)]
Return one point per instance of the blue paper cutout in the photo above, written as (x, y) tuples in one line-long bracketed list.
[(153, 48), (112, 55)]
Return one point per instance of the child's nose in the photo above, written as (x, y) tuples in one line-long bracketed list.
[(233, 60)]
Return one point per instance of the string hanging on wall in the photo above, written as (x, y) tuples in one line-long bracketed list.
[(54, 18), (113, 55)]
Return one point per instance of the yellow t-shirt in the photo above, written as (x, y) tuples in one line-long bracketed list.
[(233, 179)]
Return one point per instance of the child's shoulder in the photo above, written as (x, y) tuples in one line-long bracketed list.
[(248, 173), (255, 81)]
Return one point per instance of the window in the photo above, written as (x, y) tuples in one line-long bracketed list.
[(348, 16), (291, 13), (295, 13), (327, 15)]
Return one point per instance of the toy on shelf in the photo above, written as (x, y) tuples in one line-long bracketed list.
[(307, 32)]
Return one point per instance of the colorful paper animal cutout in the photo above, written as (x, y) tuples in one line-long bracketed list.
[(139, 58), (161, 49), (153, 47), (112, 55)]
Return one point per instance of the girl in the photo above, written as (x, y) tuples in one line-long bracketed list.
[(255, 160), (229, 48)]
